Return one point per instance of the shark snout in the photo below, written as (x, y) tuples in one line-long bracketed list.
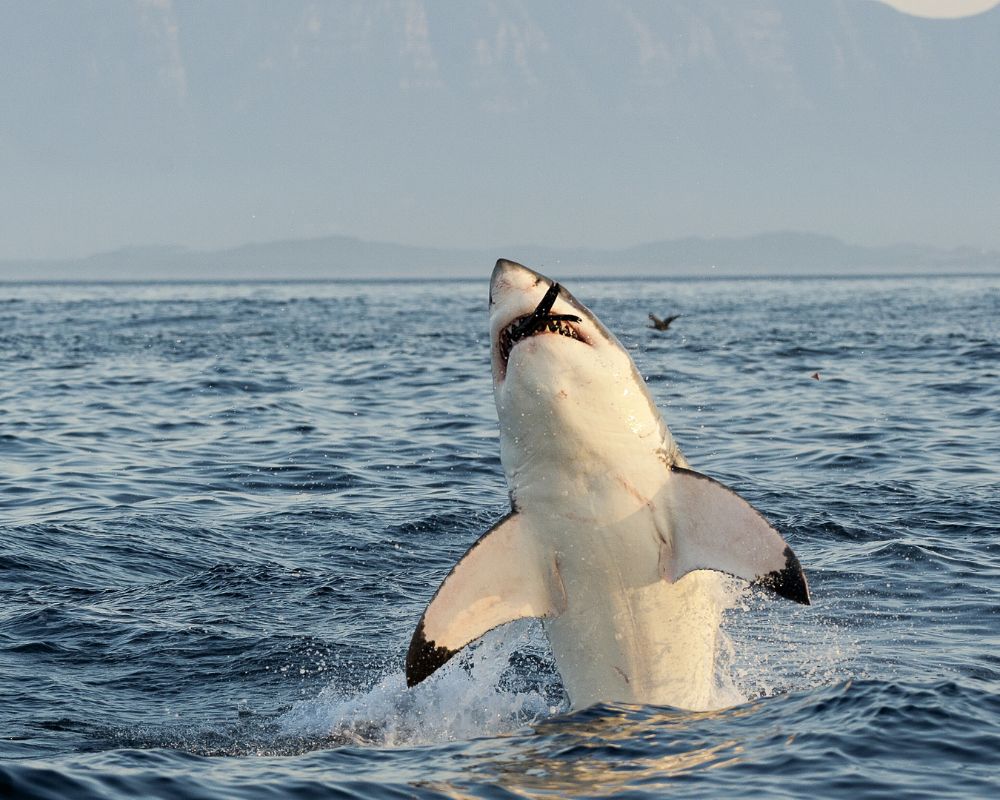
[(509, 276)]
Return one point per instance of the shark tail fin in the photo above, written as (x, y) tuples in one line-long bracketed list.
[(502, 577), (714, 528)]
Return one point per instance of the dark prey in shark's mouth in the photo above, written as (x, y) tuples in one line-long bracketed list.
[(538, 321)]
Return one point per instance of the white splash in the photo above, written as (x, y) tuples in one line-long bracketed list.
[(773, 648), (758, 652), (464, 701)]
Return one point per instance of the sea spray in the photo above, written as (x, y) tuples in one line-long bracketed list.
[(474, 695), (467, 700)]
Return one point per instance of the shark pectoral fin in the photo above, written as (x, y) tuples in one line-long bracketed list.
[(714, 528), (502, 577)]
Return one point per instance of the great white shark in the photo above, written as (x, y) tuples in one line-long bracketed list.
[(607, 517)]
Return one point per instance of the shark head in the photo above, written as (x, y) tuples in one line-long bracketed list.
[(517, 294), (568, 394)]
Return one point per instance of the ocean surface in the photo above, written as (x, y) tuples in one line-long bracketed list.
[(223, 508)]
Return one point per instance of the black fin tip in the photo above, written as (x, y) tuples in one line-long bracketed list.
[(788, 582), (424, 658)]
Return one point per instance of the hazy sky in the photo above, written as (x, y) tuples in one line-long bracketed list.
[(593, 123)]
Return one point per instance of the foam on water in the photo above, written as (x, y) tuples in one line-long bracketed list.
[(758, 652), (465, 700)]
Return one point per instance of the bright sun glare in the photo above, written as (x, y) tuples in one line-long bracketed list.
[(942, 9)]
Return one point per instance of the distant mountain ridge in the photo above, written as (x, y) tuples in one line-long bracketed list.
[(344, 257), (493, 121)]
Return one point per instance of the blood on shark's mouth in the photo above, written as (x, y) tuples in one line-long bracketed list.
[(539, 321)]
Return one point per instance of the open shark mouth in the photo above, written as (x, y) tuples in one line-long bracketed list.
[(539, 321)]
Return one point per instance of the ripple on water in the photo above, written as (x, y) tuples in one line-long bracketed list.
[(224, 507)]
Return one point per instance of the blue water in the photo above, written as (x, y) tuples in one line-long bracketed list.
[(224, 508)]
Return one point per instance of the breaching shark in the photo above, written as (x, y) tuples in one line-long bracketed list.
[(606, 518)]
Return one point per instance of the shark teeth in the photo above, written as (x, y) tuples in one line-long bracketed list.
[(508, 337)]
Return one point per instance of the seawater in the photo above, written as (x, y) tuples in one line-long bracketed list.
[(223, 508)]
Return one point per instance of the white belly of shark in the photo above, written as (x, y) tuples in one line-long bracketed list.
[(610, 533)]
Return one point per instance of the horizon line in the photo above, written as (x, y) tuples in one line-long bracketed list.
[(766, 276), (211, 250)]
